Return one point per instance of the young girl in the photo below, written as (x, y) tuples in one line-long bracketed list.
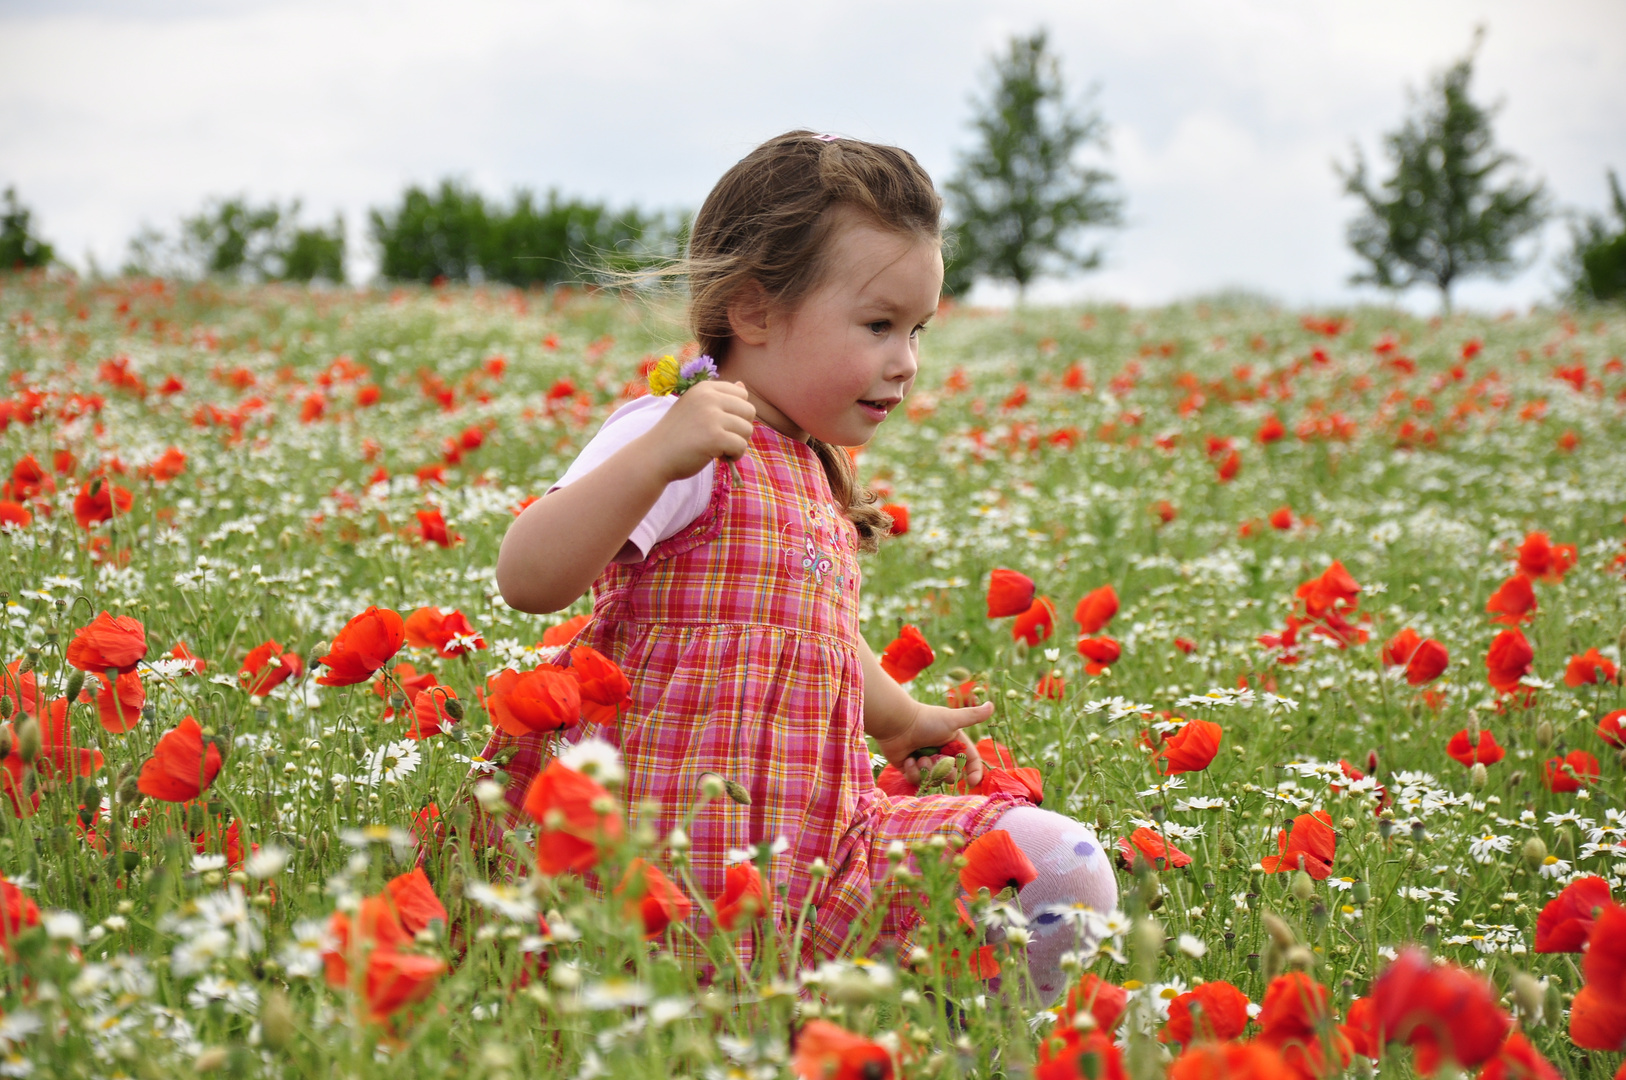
[(720, 531)]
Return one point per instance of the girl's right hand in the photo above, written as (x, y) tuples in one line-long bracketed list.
[(711, 420)]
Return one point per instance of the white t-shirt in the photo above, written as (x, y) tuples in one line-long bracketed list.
[(679, 504)]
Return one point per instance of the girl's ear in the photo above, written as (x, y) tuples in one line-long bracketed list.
[(748, 314)]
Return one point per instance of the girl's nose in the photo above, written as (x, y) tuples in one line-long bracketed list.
[(903, 363)]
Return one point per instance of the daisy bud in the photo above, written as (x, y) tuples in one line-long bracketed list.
[(1478, 776), (711, 785), (677, 839), (489, 794), (918, 957), (818, 869), (28, 739), (210, 1059), (737, 792), (896, 852), (1534, 852)]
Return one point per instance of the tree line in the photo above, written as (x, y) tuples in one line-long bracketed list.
[(1026, 200)]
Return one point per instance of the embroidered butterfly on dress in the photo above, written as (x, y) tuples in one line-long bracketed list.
[(816, 563)]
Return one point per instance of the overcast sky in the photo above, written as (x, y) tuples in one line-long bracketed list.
[(1225, 116)]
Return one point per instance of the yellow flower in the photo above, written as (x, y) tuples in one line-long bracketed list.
[(663, 377)]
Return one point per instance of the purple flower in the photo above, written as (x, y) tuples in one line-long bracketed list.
[(700, 368)]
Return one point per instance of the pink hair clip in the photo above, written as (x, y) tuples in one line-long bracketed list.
[(827, 138)]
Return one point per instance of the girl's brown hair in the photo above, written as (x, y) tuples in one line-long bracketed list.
[(769, 221)]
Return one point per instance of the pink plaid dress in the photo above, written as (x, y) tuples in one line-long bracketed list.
[(739, 636)]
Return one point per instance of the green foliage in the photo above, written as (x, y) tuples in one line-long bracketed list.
[(1020, 198), (20, 249), (233, 239), (455, 235), (1596, 261), (1440, 217)]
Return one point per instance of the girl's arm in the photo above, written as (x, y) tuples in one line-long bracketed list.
[(900, 725), (559, 544)]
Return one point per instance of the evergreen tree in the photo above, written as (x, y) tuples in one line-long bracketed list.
[(1440, 217), (1596, 262), (20, 249), (1020, 199)]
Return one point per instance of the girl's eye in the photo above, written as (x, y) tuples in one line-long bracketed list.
[(880, 327)]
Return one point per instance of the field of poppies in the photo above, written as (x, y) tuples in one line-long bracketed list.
[(1315, 618)]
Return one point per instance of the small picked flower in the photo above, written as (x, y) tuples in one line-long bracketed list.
[(668, 376)]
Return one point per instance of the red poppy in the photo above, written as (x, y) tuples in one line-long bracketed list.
[(1051, 687), (1508, 660), (1310, 847), (1036, 624), (577, 818), (364, 645), (1609, 728), (1083, 1054), (822, 1051), (545, 699), (119, 703), (393, 979), (1146, 844), (98, 501), (1271, 429), (1221, 1013), (1564, 925), (1104, 1001), (743, 898), (1589, 669), (17, 913), (438, 628), (1192, 748), (267, 666), (1231, 1061), (566, 632), (1518, 1060), (1425, 659), (1296, 1018), (432, 529), (1334, 591), (1570, 772), (1598, 1019), (1281, 518), (649, 895), (181, 652), (59, 758), (22, 688), (605, 691), (1009, 593), (1096, 609), (182, 765), (429, 715), (1361, 1028), (1484, 749), (1185, 645), (1164, 511), (416, 904), (907, 655), (1513, 602), (108, 642), (14, 513), (900, 518), (1228, 468), (1099, 653), (1543, 560), (1440, 1010), (994, 862)]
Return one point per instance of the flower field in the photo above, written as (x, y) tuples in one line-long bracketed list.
[(1315, 619)]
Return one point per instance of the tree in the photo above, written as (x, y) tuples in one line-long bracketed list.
[(1440, 217), (1596, 262), (1020, 199), (20, 249), (234, 239)]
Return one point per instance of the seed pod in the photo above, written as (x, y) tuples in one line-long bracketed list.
[(28, 739), (397, 701)]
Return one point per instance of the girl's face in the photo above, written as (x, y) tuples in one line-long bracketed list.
[(847, 356)]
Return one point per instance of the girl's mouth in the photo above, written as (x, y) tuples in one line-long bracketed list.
[(877, 410)]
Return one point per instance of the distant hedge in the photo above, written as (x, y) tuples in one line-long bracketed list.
[(454, 234)]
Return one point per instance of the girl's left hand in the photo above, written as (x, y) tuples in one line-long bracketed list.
[(936, 726)]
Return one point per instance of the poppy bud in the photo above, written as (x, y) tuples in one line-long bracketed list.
[(31, 656), (1361, 892), (76, 683), (5, 708), (1303, 886), (941, 770), (1544, 734), (454, 708), (5, 739), (195, 819), (28, 739), (737, 792), (1478, 776), (1148, 942), (321, 648), (276, 1020), (1418, 832), (130, 789), (1534, 852), (504, 756), (1318, 917), (1527, 995)]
